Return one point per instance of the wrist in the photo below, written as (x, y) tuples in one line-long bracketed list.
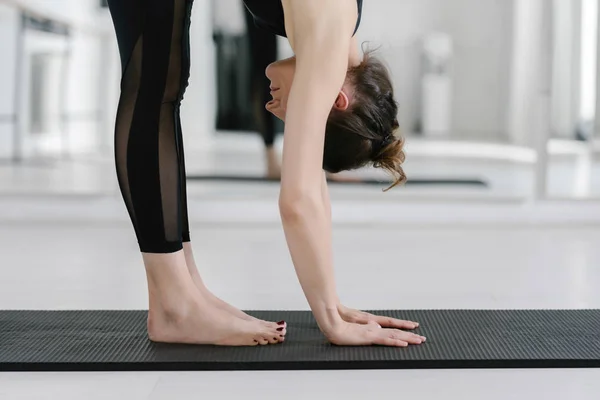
[(329, 319)]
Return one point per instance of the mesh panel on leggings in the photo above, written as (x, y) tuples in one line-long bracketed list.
[(168, 149), (148, 138), (130, 86)]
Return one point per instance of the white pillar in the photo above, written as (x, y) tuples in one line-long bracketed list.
[(565, 89), (544, 97), (527, 30)]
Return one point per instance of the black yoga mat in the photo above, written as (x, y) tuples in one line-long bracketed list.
[(116, 340), (410, 182)]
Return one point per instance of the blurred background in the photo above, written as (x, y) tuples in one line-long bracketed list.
[(500, 92), (498, 103)]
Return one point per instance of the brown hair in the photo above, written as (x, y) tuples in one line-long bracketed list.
[(365, 132)]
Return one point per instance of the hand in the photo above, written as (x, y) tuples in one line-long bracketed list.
[(348, 334), (361, 317)]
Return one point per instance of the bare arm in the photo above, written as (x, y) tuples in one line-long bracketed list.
[(322, 34), (322, 62)]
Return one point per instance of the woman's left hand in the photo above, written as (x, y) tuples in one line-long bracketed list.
[(361, 317)]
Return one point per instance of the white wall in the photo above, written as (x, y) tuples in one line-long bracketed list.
[(80, 99), (482, 41), (9, 21), (597, 122)]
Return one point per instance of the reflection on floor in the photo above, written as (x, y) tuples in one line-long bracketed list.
[(509, 175)]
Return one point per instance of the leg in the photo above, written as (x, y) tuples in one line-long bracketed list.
[(263, 48), (185, 229), (148, 158)]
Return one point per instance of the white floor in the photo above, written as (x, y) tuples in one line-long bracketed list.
[(70, 266), (66, 243)]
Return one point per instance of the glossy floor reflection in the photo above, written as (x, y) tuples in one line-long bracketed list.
[(508, 170)]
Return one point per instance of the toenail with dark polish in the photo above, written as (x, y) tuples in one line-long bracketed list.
[(281, 323), (279, 329)]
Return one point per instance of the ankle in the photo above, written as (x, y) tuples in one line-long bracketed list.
[(165, 270)]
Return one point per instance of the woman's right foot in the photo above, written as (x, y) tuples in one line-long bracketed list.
[(180, 313), (195, 323)]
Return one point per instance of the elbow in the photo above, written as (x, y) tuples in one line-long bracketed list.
[(296, 207)]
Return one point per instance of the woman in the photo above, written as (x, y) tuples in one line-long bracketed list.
[(339, 114)]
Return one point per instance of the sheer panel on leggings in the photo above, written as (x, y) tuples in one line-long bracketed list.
[(148, 138), (167, 147), (130, 86)]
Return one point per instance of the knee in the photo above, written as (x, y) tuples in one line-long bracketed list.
[(175, 86)]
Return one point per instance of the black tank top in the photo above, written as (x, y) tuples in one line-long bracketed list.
[(268, 14)]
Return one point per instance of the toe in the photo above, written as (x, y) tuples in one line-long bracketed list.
[(275, 325), (281, 331)]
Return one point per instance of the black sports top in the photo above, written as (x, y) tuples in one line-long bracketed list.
[(268, 14)]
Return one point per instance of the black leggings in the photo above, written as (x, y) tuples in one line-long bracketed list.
[(153, 38), (263, 51)]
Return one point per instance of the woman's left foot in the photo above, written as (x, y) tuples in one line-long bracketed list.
[(214, 300)]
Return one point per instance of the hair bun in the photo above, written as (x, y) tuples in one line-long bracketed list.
[(390, 157)]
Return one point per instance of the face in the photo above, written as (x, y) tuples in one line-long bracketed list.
[(281, 75)]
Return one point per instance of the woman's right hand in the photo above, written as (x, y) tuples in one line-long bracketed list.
[(350, 334)]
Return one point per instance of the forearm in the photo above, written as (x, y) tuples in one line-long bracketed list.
[(308, 234)]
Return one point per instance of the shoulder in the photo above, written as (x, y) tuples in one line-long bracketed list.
[(315, 18)]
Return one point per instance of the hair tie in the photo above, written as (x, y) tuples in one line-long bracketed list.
[(379, 145)]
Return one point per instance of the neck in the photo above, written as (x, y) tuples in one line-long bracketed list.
[(354, 56)]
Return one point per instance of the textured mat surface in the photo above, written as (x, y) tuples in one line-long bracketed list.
[(423, 182), (116, 340)]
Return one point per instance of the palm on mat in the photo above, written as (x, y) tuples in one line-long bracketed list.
[(361, 317), (361, 328)]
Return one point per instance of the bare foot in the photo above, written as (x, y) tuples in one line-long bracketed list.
[(179, 313), (214, 300), (198, 323)]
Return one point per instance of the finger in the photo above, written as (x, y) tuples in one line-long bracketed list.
[(388, 322), (408, 337), (374, 324), (385, 340)]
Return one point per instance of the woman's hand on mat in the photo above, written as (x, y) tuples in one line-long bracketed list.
[(349, 334), (361, 317)]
